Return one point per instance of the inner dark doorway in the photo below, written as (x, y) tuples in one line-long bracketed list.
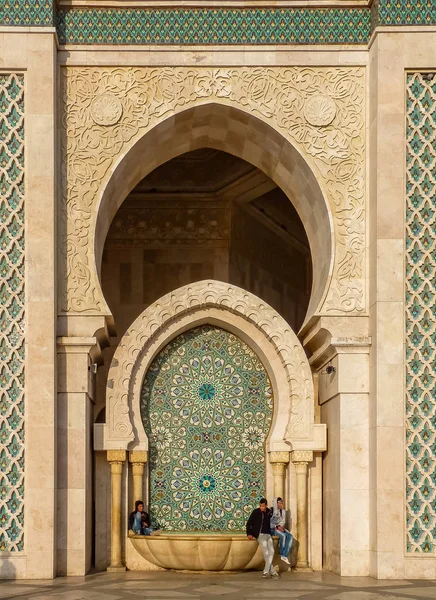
[(206, 215)]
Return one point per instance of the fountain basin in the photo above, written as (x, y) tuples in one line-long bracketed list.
[(200, 551)]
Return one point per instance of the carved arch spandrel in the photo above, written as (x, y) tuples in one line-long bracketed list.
[(320, 111), (123, 373)]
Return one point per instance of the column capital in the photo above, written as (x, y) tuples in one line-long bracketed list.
[(279, 457), (116, 456), (302, 456), (138, 456)]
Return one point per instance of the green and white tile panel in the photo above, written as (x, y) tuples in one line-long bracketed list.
[(11, 311), (421, 314), (206, 407)]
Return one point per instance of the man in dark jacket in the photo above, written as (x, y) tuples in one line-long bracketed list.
[(259, 527), (139, 520)]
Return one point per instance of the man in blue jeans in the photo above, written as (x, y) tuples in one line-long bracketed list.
[(278, 520), (139, 520)]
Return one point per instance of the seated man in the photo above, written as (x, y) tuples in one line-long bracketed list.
[(278, 520), (139, 520)]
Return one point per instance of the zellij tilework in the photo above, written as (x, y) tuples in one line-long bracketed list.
[(36, 13), (11, 311), (421, 313), (406, 12), (213, 26), (206, 407)]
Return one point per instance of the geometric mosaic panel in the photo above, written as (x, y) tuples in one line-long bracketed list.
[(206, 405), (406, 12), (27, 13), (421, 313), (11, 311), (213, 26), (350, 25)]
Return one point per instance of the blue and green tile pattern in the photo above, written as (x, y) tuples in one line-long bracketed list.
[(213, 26), (406, 12), (35, 13), (206, 406), (11, 312), (421, 314)]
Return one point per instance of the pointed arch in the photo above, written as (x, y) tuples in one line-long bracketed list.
[(238, 132), (239, 311)]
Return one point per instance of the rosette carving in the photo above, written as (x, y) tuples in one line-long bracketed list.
[(319, 110), (106, 109)]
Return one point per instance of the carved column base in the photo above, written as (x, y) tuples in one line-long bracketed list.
[(116, 569), (303, 567)]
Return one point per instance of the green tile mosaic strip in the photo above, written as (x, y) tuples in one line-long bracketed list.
[(11, 312), (406, 12), (213, 26), (27, 13), (206, 406), (421, 314)]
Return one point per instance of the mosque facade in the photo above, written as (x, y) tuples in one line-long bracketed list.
[(217, 261)]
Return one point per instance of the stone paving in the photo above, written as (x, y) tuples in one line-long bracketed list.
[(170, 585)]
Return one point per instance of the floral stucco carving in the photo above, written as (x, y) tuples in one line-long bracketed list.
[(188, 299), (319, 110)]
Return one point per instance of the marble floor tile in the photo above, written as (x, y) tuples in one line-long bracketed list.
[(158, 585)]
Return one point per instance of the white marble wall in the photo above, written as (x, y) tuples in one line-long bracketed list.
[(392, 52), (34, 54)]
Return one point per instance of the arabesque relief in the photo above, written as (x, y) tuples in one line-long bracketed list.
[(319, 110)]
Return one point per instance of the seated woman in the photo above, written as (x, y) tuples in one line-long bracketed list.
[(139, 521), (278, 520)]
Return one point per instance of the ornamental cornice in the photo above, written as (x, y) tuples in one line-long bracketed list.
[(302, 456), (279, 457), (138, 456), (116, 456)]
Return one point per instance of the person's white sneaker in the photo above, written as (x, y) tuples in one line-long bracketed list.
[(285, 559)]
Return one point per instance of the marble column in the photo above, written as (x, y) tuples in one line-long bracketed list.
[(116, 459), (75, 407), (138, 459), (278, 461), (301, 459)]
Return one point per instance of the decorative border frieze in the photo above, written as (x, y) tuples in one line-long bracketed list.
[(404, 12), (213, 26), (217, 26), (27, 13)]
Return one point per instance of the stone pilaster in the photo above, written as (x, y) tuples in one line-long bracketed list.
[(116, 459), (301, 459), (278, 461), (138, 459)]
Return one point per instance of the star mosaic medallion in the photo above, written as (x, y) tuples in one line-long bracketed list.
[(207, 409)]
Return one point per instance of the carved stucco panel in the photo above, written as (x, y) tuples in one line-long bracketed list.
[(186, 300), (319, 110)]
